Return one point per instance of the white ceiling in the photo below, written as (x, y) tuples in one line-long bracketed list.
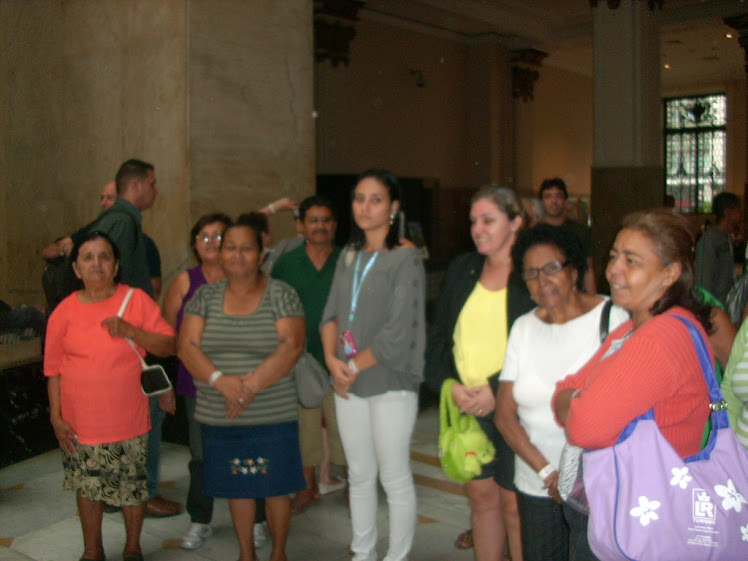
[(693, 35)]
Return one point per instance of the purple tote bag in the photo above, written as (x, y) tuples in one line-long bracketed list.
[(649, 504)]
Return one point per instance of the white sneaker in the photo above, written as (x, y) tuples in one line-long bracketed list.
[(327, 488), (196, 535), (261, 534)]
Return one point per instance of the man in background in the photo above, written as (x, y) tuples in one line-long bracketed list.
[(715, 263), (309, 269), (553, 196)]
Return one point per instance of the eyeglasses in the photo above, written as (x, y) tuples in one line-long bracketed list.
[(205, 238), (319, 220), (549, 269)]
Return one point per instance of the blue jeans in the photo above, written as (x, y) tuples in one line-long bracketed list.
[(153, 457)]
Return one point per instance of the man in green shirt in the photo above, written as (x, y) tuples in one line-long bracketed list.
[(309, 269)]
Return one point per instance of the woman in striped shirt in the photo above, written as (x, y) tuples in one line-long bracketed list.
[(239, 339)]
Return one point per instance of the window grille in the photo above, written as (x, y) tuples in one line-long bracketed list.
[(695, 141)]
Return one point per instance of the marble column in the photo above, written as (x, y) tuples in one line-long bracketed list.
[(490, 114), (627, 170), (740, 24)]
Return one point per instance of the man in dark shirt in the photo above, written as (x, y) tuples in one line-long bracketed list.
[(63, 246), (715, 264), (553, 195), (136, 192)]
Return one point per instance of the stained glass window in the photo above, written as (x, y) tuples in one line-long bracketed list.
[(695, 141)]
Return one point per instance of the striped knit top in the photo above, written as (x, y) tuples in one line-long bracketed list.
[(237, 345), (735, 385), (656, 367)]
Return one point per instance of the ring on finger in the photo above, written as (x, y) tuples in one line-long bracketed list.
[(241, 400)]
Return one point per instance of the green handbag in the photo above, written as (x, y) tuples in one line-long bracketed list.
[(463, 446)]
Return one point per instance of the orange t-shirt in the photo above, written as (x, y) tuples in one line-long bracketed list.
[(657, 367), (100, 393)]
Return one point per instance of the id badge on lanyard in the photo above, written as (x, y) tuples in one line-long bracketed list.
[(346, 337)]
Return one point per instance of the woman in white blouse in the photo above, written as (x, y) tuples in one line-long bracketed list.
[(546, 344)]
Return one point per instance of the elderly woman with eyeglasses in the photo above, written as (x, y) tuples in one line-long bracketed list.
[(545, 345)]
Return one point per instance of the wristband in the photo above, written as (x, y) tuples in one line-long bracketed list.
[(214, 377), (271, 207), (352, 366), (546, 471)]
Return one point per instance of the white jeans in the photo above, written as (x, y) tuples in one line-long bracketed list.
[(376, 432)]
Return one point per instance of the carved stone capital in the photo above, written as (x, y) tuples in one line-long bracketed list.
[(525, 64), (740, 24), (334, 29)]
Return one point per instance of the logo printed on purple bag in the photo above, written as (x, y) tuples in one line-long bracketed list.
[(703, 507)]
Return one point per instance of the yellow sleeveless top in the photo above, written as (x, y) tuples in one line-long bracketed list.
[(480, 336)]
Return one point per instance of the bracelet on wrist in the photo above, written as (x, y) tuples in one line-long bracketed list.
[(546, 471), (352, 366), (271, 207), (214, 377)]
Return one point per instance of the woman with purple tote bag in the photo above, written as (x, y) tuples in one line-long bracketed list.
[(658, 363)]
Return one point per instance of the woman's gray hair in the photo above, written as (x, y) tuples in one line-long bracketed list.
[(503, 197)]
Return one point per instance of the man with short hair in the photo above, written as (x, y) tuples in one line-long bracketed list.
[(108, 197), (715, 264), (553, 196), (309, 269), (136, 191)]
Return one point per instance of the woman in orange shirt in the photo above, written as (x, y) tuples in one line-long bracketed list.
[(649, 362), (97, 407)]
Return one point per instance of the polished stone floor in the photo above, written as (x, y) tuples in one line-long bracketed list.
[(38, 520)]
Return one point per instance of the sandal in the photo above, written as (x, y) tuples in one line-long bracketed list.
[(464, 540), (303, 500)]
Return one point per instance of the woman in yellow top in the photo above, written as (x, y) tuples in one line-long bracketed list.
[(480, 299)]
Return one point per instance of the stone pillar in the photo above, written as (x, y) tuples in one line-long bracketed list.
[(218, 95), (490, 114), (740, 24), (627, 172)]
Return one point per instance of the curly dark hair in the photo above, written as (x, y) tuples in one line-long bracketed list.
[(557, 236)]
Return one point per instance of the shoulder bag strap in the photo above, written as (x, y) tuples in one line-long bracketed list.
[(448, 412), (121, 312), (605, 321), (717, 405)]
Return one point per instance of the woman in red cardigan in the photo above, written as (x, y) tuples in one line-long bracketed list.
[(649, 361)]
